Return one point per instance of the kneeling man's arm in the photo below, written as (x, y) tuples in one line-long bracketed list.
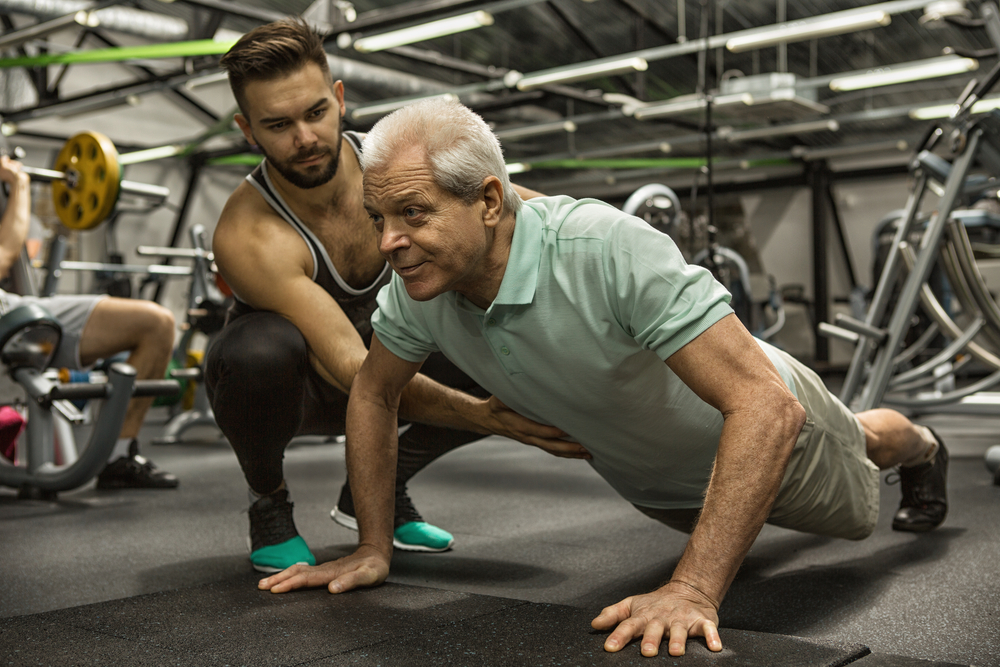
[(727, 369), (371, 468)]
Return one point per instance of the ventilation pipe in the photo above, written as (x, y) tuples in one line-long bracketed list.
[(379, 82), (120, 19)]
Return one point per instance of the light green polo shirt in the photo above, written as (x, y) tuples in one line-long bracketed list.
[(591, 303)]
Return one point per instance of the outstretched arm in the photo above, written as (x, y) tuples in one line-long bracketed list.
[(729, 371), (429, 402), (371, 467), (16, 216)]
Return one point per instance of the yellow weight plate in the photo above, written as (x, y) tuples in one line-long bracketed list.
[(88, 194)]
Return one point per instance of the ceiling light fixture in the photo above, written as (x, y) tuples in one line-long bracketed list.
[(362, 113), (417, 33), (809, 154), (945, 110), (590, 70), (936, 12), (893, 74), (793, 31), (688, 103), (150, 154), (730, 134), (535, 130)]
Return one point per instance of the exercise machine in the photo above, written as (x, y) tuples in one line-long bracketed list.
[(48, 462), (206, 313), (660, 207)]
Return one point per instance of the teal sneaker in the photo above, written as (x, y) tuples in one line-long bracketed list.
[(412, 532), (421, 536), (275, 544)]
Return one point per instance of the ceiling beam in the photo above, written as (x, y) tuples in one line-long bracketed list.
[(185, 102)]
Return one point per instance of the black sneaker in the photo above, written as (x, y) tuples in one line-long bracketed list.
[(925, 494), (275, 543), (134, 472)]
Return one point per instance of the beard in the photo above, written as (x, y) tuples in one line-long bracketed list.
[(313, 176)]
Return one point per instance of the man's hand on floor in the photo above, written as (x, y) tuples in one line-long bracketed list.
[(365, 567), (676, 610)]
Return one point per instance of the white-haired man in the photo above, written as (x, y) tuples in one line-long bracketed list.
[(578, 315)]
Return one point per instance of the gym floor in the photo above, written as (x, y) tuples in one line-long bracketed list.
[(542, 544)]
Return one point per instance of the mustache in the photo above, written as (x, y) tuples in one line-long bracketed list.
[(311, 153)]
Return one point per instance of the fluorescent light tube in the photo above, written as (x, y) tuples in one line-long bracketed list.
[(831, 24), (806, 153), (688, 103), (535, 130), (381, 109), (579, 72), (891, 74), (151, 154), (518, 167), (420, 33), (945, 110), (779, 130)]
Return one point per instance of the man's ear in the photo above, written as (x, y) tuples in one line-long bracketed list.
[(492, 201), (338, 94), (244, 126)]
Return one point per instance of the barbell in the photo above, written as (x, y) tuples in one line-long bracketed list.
[(87, 181)]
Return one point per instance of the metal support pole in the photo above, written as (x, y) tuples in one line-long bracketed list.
[(838, 226), (819, 179), (181, 217)]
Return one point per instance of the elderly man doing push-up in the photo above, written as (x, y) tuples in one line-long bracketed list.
[(580, 316)]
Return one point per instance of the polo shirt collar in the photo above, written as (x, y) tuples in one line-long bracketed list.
[(521, 275)]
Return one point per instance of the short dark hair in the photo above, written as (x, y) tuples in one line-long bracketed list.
[(271, 51)]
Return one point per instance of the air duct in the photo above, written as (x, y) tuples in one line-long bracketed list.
[(375, 82), (120, 19)]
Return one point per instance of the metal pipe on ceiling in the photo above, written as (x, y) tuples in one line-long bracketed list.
[(15, 38), (121, 19), (390, 82)]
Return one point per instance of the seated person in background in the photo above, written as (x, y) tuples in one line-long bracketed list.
[(295, 245), (95, 327), (578, 315)]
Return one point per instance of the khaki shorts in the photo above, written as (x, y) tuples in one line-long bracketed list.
[(72, 312), (830, 486)]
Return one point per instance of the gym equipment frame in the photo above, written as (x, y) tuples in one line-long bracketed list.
[(29, 336), (944, 239)]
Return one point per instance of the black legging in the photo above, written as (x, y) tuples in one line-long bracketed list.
[(264, 391)]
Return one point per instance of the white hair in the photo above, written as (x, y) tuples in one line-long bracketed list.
[(461, 149)]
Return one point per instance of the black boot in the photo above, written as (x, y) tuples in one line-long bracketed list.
[(925, 494)]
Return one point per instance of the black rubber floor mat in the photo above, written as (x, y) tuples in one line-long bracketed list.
[(232, 623)]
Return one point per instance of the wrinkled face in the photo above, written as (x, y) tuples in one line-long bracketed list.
[(296, 123), (434, 241)]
